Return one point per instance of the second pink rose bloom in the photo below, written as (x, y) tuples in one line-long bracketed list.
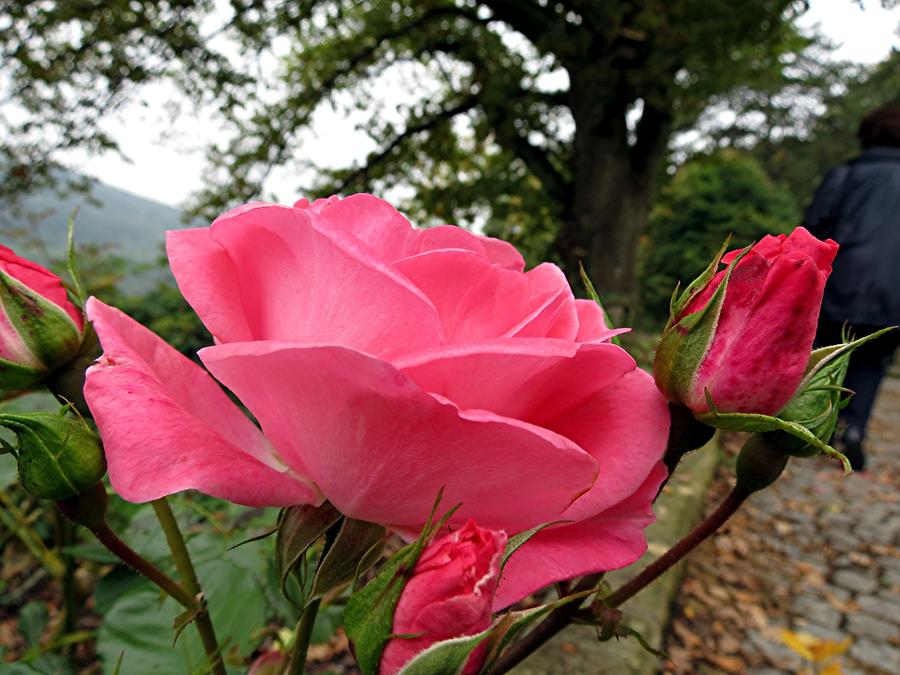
[(750, 353), (383, 364)]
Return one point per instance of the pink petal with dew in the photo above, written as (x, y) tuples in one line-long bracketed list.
[(167, 426), (381, 449), (610, 540)]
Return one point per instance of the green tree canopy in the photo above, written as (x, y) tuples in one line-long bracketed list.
[(550, 119), (708, 199)]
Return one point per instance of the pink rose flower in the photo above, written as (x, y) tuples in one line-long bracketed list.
[(40, 329), (449, 595), (384, 363), (752, 357)]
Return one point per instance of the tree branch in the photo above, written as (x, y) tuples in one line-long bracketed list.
[(379, 157)]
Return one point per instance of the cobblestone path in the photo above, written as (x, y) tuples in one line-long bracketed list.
[(816, 553)]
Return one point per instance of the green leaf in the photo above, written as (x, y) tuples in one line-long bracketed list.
[(354, 549), (33, 619), (298, 528)]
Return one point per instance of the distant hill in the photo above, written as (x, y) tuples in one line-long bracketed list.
[(133, 227)]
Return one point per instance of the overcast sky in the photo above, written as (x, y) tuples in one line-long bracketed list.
[(167, 162)]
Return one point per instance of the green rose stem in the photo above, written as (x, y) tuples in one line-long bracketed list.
[(301, 639), (759, 464), (189, 581), (89, 509)]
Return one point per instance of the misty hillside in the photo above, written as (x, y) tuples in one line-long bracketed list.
[(132, 226)]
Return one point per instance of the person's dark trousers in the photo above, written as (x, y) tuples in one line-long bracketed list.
[(868, 366)]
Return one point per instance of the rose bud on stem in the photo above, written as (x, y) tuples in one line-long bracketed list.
[(742, 337), (448, 595), (40, 328)]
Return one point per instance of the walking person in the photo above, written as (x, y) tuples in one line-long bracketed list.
[(858, 205)]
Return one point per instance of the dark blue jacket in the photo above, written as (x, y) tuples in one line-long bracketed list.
[(858, 205)]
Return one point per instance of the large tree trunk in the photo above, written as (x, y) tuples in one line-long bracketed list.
[(613, 186)]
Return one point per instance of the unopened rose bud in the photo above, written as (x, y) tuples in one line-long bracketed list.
[(742, 336), (40, 329), (449, 595), (58, 456)]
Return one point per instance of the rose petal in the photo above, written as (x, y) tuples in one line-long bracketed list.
[(497, 251), (522, 378), (608, 541), (381, 449), (370, 220), (625, 427), (552, 311), (475, 300), (167, 426), (40, 280), (281, 262), (207, 280), (763, 329), (592, 324)]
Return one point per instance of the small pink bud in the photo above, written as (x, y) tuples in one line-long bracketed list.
[(40, 329), (449, 595)]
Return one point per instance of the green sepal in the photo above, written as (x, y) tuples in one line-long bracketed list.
[(298, 528), (46, 329), (684, 345), (765, 423), (59, 456), (592, 294), (448, 657), (356, 547), (74, 275), (515, 542), (678, 302), (821, 394)]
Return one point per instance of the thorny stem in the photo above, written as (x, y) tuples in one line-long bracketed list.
[(545, 630), (726, 509), (130, 557), (563, 616), (189, 581)]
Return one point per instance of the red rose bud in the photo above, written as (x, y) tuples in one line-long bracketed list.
[(40, 329), (744, 334), (58, 456), (449, 595)]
